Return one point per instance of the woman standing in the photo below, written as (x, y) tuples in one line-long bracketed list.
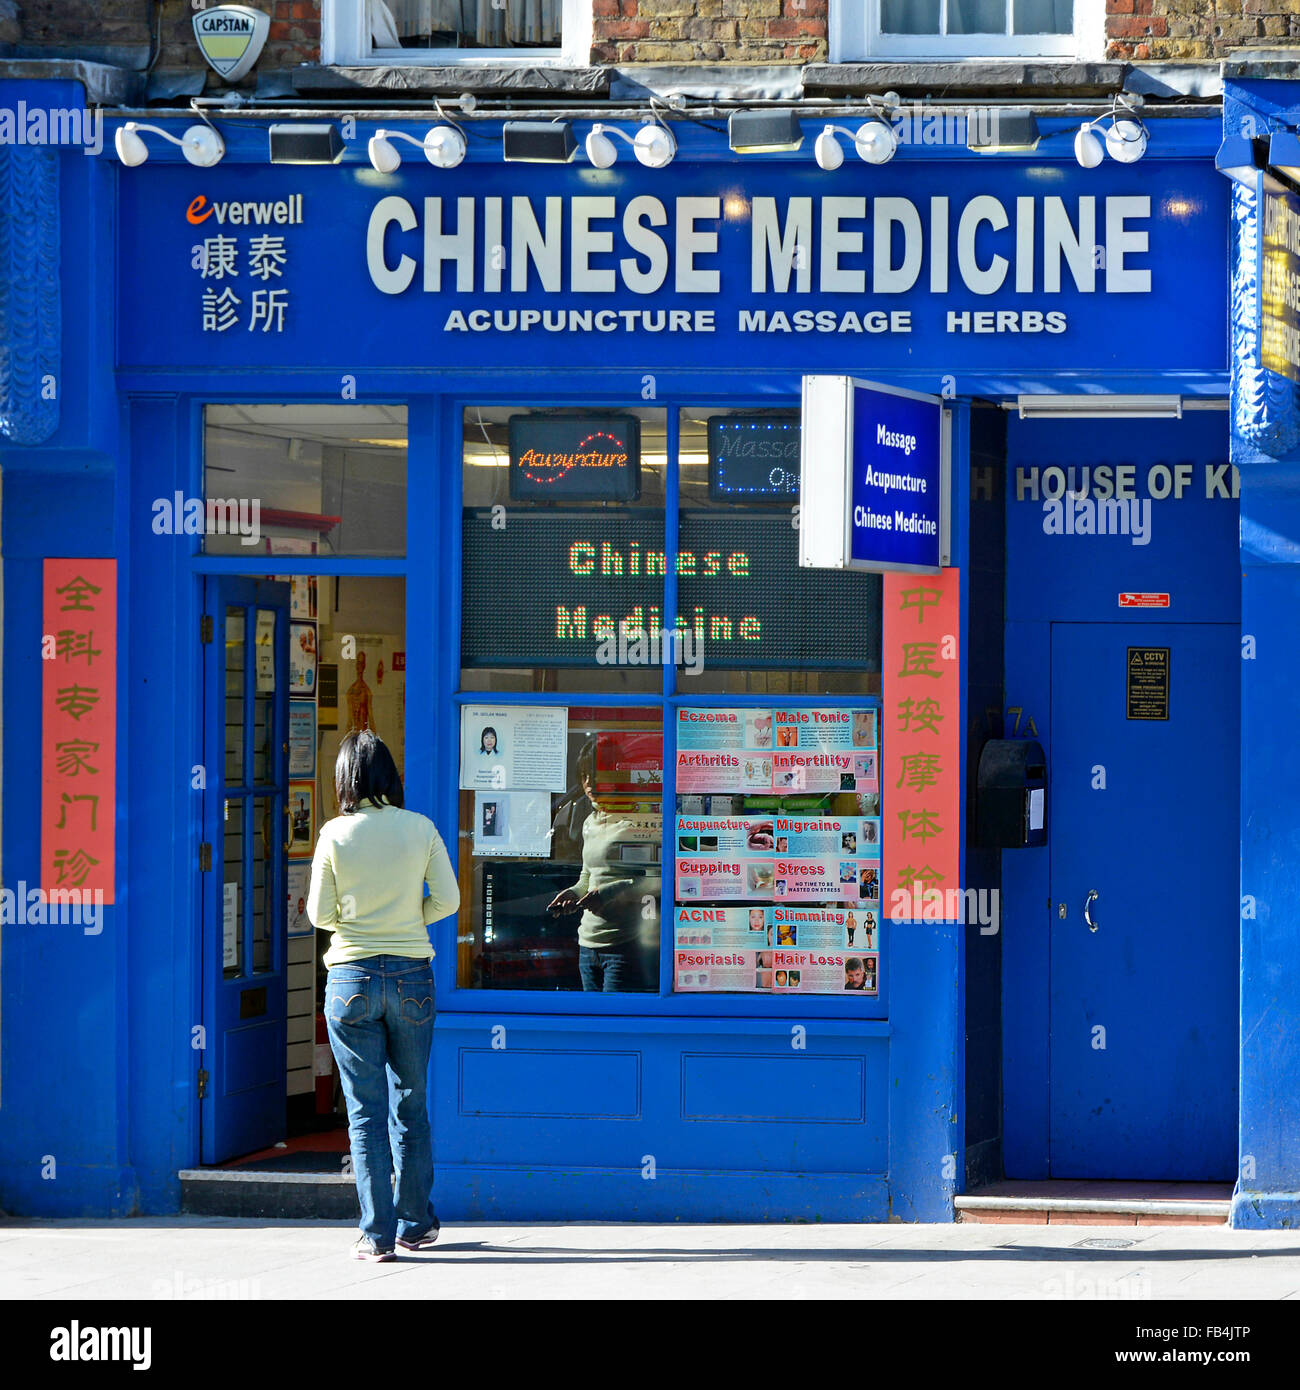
[(368, 878)]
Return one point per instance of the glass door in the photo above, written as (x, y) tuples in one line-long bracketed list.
[(246, 834)]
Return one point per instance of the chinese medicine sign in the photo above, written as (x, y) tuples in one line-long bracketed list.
[(78, 726), (921, 776)]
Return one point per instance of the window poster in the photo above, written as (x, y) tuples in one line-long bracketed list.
[(778, 845), (302, 596), (302, 659), (302, 817), (264, 648), (302, 738), (298, 880), (512, 823), (513, 747)]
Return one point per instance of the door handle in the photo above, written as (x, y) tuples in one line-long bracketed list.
[(1087, 915), (288, 829)]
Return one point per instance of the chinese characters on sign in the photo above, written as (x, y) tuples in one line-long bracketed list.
[(922, 714), (78, 726), (238, 276)]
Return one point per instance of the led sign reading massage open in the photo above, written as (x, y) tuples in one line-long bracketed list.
[(582, 458)]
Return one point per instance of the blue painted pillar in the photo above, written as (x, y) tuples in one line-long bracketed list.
[(1265, 410)]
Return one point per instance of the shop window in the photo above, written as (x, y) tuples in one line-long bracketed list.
[(303, 480), (563, 535), (448, 31), (567, 572), (756, 622), (966, 29), (561, 809)]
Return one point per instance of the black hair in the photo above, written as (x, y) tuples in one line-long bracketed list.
[(482, 739), (853, 963), (365, 771), (586, 764)]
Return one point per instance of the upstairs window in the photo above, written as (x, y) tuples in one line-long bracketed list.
[(402, 32), (941, 29)]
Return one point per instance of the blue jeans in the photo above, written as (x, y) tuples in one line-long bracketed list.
[(611, 969), (379, 1012)]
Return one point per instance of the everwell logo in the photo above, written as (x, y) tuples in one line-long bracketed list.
[(231, 37), (287, 212)]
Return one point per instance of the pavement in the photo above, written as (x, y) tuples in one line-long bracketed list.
[(205, 1258)]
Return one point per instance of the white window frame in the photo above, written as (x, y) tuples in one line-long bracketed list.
[(345, 42), (855, 36)]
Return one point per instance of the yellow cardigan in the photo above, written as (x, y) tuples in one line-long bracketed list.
[(367, 884)]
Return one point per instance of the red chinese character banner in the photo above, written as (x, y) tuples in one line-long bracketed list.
[(79, 725), (920, 741)]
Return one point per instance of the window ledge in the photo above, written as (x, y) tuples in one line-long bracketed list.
[(994, 76), (320, 79)]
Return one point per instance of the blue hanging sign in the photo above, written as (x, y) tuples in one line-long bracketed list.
[(874, 477)]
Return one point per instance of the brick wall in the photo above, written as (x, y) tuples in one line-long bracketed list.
[(1197, 29), (294, 36), (709, 31)]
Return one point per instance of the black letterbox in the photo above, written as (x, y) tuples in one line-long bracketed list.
[(1011, 794)]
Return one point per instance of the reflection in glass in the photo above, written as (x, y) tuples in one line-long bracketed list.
[(232, 900), (1043, 16), (977, 16), (909, 16), (304, 479), (586, 915)]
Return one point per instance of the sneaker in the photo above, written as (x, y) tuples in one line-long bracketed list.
[(419, 1242), (366, 1249)]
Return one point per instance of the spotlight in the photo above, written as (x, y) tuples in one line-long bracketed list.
[(654, 145), (538, 142), (306, 144), (1006, 132), (827, 149), (876, 141), (1087, 148), (443, 146), (764, 132), (600, 148), (1126, 141), (200, 144)]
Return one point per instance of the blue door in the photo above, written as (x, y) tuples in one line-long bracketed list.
[(1144, 913), (245, 833)]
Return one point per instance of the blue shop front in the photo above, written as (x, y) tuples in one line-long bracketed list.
[(503, 462)]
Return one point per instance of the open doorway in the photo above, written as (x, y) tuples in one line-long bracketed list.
[(292, 660)]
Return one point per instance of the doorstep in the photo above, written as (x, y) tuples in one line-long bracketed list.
[(277, 1196), (1081, 1203), (303, 1179)]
